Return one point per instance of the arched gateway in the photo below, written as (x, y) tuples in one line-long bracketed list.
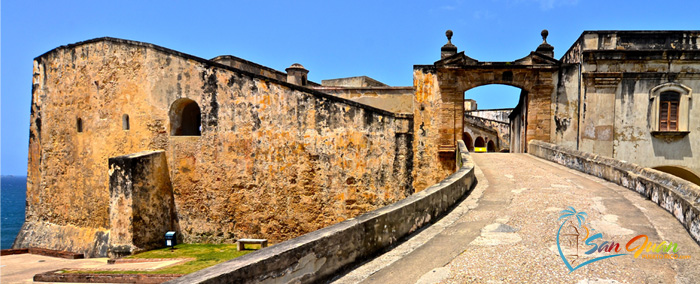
[(440, 87)]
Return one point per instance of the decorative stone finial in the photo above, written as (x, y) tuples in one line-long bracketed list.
[(544, 34), (545, 48), (448, 49)]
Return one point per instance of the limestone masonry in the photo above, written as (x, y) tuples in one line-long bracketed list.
[(129, 140)]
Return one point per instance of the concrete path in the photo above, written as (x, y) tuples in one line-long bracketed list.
[(21, 268), (505, 232)]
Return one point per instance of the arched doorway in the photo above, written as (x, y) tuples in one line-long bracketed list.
[(439, 100), (496, 102), (185, 118), (491, 147), (456, 73), (468, 141), (493, 96), (680, 172), (479, 142)]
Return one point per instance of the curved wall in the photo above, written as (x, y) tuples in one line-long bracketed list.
[(678, 196), (319, 255)]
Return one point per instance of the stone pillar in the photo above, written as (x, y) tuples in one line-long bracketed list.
[(141, 208)]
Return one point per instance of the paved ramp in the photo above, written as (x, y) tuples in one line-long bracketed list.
[(505, 232)]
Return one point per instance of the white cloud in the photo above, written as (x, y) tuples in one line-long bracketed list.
[(551, 4), (483, 15), (546, 5)]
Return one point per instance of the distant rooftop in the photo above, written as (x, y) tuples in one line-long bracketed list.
[(356, 82)]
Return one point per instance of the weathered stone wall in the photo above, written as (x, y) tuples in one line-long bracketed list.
[(566, 105), (320, 255), (491, 114), (604, 101), (91, 242), (251, 67), (274, 160), (353, 82), (678, 196), (393, 99), (141, 208), (427, 129), (633, 133)]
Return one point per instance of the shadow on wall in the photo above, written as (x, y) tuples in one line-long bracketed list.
[(675, 150)]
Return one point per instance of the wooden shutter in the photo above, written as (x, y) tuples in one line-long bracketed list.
[(668, 111)]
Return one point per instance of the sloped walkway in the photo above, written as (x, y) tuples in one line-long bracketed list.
[(505, 232)]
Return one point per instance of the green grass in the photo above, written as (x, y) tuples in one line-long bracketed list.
[(205, 255)]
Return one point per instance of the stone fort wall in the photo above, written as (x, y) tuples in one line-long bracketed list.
[(274, 160)]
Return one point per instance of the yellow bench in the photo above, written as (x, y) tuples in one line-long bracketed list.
[(480, 149)]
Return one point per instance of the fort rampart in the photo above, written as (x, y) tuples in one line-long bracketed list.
[(270, 160)]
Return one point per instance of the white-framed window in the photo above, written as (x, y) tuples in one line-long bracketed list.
[(669, 108)]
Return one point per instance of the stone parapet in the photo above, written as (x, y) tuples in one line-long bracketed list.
[(317, 256), (678, 196)]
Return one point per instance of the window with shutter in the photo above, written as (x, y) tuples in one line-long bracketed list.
[(668, 111)]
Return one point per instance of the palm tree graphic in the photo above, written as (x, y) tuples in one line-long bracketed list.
[(567, 214), (580, 217)]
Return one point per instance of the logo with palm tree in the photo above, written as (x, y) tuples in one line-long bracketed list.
[(569, 215)]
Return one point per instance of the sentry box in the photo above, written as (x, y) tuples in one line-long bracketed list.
[(170, 240)]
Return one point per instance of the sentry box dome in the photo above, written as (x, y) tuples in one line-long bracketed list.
[(170, 240)]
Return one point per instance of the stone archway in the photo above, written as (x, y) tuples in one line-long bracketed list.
[(534, 107), (439, 102), (479, 142), (490, 146)]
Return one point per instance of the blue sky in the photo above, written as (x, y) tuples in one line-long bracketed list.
[(333, 39)]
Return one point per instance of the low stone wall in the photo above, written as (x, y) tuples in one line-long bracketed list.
[(58, 276), (92, 242), (677, 196), (45, 252), (321, 254)]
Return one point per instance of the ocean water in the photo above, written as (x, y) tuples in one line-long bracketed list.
[(13, 195)]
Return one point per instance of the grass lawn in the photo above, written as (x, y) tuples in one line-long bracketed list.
[(205, 255)]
